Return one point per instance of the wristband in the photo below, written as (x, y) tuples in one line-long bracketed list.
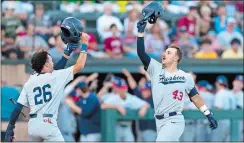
[(83, 48), (204, 110)]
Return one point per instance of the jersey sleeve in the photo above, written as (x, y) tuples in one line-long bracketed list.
[(153, 67), (190, 86), (137, 103), (23, 100), (64, 75)]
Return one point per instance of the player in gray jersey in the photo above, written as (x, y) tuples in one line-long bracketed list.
[(170, 85), (43, 92)]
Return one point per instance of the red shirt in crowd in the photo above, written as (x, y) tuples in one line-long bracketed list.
[(92, 39), (189, 24), (113, 44)]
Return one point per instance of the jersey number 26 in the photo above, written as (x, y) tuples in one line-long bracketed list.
[(47, 95)]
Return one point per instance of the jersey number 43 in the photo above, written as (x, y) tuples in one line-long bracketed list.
[(178, 95), (41, 94)]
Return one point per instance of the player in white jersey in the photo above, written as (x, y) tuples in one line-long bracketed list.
[(170, 85), (237, 92), (42, 94)]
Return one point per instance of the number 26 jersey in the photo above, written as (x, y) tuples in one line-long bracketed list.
[(43, 92)]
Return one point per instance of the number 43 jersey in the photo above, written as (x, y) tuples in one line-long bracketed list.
[(42, 92), (169, 89)]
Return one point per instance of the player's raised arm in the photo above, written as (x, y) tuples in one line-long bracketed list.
[(80, 63), (140, 44), (63, 61)]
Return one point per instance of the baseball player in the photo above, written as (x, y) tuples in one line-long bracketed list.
[(170, 85), (44, 89), (121, 101), (238, 95), (224, 100)]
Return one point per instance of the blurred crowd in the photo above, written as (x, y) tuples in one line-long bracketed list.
[(79, 117), (203, 29)]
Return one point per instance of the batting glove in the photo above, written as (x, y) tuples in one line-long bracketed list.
[(213, 123), (70, 47), (9, 133), (141, 25)]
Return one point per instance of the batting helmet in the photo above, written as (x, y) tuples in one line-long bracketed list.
[(71, 30), (152, 11)]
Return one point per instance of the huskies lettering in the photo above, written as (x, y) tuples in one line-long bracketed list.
[(171, 80)]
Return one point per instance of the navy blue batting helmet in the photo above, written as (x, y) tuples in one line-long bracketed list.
[(152, 11), (71, 30)]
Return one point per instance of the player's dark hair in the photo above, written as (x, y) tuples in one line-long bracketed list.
[(38, 60), (179, 51)]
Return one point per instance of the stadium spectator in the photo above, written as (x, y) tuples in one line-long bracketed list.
[(190, 21), (227, 35), (235, 52), (206, 52), (223, 101), (129, 40), (205, 20), (88, 108), (237, 92), (156, 41), (30, 43), (186, 42), (10, 21), (122, 101), (40, 21), (7, 92), (23, 9), (57, 50), (202, 131), (106, 20), (220, 19), (113, 45), (143, 91), (8, 46), (132, 19), (215, 43)]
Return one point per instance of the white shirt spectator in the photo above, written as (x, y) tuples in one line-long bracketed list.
[(225, 38), (104, 22)]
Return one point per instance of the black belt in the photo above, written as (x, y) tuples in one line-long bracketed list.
[(43, 115), (159, 117)]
